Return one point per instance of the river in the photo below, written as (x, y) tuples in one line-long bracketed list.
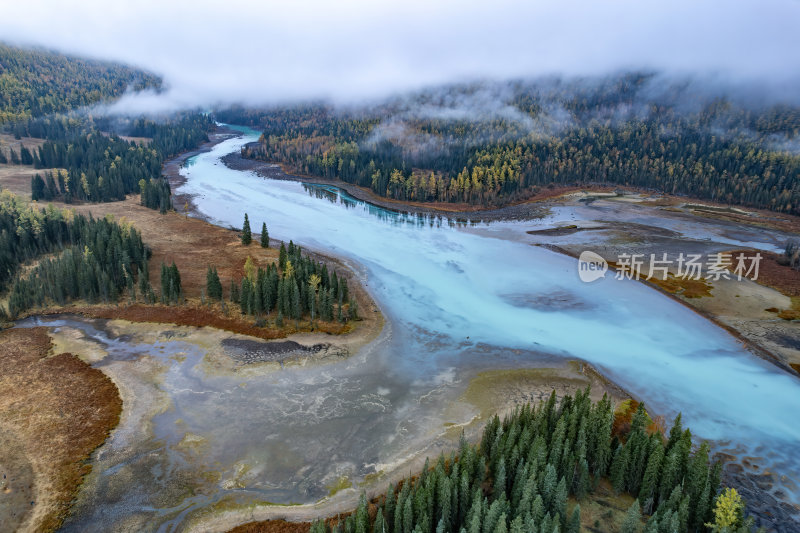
[(457, 300)]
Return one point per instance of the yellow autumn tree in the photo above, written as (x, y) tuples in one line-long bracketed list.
[(728, 512)]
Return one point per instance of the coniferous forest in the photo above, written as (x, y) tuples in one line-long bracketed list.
[(531, 471), (45, 95), (100, 168), (491, 145), (69, 83), (74, 257), (297, 286)]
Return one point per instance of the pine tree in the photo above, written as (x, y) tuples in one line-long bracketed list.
[(574, 523), (647, 493), (633, 519), (362, 516), (213, 285), (247, 237), (380, 523), (619, 469), (264, 236), (560, 499), (282, 258)]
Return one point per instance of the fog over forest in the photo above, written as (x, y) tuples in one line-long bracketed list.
[(355, 51)]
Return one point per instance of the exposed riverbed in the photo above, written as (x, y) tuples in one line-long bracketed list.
[(459, 302)]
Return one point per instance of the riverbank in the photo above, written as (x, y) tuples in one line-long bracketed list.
[(460, 212), (531, 208), (762, 315), (486, 394), (55, 410)]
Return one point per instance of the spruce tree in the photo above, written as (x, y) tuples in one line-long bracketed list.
[(282, 258), (247, 237), (213, 285), (264, 236), (633, 519)]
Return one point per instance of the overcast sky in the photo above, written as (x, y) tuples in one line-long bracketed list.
[(264, 51)]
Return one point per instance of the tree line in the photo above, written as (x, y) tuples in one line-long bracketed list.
[(522, 474), (98, 168), (296, 287), (79, 257), (35, 82), (569, 136)]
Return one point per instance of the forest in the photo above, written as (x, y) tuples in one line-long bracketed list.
[(297, 286), (71, 257), (43, 95), (70, 82), (97, 167), (495, 144), (531, 471)]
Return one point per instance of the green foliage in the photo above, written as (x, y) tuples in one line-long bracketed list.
[(213, 284), (611, 133), (264, 235), (79, 257), (297, 286), (100, 168), (171, 292), (479, 491), (729, 514), (156, 194), (35, 82), (247, 236)]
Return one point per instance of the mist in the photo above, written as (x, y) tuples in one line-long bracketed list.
[(257, 53)]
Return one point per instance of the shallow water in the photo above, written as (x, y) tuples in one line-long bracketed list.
[(458, 300), (461, 285)]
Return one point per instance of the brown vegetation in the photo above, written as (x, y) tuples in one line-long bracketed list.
[(686, 287), (194, 245), (273, 526), (774, 272), (60, 409)]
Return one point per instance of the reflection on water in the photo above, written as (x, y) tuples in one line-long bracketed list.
[(458, 300), (457, 282)]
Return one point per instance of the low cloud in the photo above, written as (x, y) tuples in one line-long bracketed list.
[(355, 51)]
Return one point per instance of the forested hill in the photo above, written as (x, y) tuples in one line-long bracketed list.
[(492, 144), (35, 82)]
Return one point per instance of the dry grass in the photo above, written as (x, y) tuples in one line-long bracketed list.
[(60, 409), (194, 245), (775, 273), (17, 179), (7, 142), (604, 511), (686, 287), (772, 272)]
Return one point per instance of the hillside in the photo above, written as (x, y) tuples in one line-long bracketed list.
[(36, 82), (492, 144)]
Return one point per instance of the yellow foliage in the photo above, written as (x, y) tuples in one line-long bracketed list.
[(728, 511), (250, 269)]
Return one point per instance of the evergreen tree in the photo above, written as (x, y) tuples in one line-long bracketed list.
[(213, 285), (633, 519), (247, 237), (264, 236), (282, 258)]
